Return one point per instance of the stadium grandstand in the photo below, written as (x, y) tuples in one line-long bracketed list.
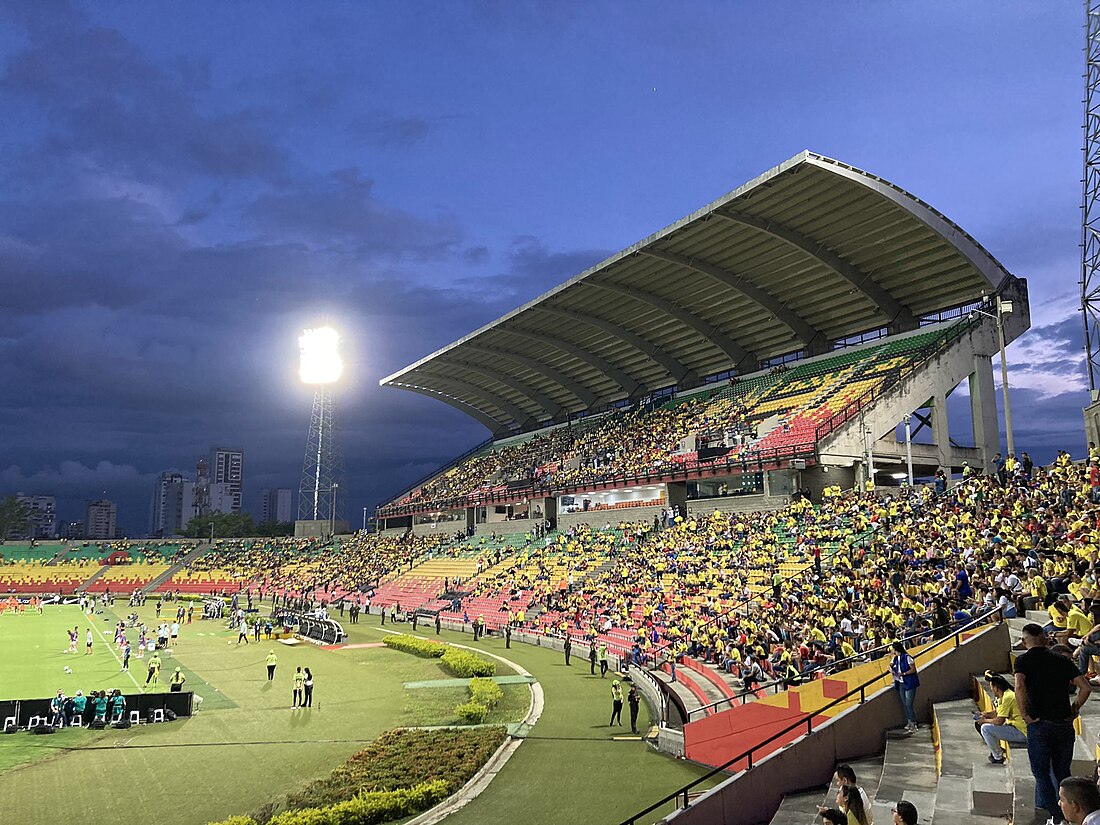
[(684, 484), (770, 343)]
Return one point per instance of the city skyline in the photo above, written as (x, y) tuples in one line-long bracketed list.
[(176, 212)]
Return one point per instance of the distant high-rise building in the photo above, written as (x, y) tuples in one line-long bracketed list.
[(99, 519), (222, 499), (202, 487), (43, 512), (72, 530), (173, 505), (276, 505), (227, 467)]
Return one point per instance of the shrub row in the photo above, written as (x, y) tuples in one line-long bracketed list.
[(466, 664), (419, 647), (368, 808), (396, 760), (371, 807)]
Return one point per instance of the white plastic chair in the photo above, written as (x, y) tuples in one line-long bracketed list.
[(135, 717), (36, 721), (10, 722), (158, 715), (78, 721)]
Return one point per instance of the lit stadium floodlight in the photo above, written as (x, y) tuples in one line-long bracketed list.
[(321, 362)]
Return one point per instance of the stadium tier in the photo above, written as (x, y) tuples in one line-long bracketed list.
[(16, 551), (125, 578), (784, 412), (36, 577)]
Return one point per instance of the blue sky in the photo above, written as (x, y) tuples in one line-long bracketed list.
[(185, 186)]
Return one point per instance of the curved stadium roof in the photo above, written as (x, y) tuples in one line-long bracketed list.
[(811, 252)]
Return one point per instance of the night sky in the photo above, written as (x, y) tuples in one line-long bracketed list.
[(187, 185)]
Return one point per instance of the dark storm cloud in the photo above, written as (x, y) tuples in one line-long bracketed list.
[(77, 252), (185, 186), (393, 131), (532, 269), (342, 209), (104, 100)]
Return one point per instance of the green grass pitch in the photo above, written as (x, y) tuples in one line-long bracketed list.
[(246, 746)]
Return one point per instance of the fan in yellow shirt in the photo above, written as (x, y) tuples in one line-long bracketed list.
[(1004, 723)]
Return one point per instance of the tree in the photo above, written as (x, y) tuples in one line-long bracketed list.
[(15, 518), (275, 529), (226, 525)]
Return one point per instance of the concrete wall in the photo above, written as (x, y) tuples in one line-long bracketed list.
[(319, 529), (598, 518), (754, 795), (815, 480), (737, 504), (442, 528), (516, 527), (1092, 422)]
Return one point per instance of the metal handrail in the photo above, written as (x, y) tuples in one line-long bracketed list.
[(806, 721), (823, 669)]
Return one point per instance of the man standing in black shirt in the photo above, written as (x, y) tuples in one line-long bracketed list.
[(1043, 679)]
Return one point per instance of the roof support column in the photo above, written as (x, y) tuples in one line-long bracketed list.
[(983, 408)]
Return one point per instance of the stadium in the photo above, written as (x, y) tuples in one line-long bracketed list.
[(721, 483)]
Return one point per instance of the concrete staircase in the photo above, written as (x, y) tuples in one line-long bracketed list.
[(90, 581), (968, 783), (907, 772), (167, 575), (800, 808), (1000, 791)]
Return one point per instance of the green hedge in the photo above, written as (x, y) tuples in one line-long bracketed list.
[(466, 664), (419, 647), (397, 759), (485, 692), (472, 712), (371, 807), (236, 820)]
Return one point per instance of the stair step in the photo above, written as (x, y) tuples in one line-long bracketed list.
[(1023, 802), (909, 773), (952, 799), (956, 818), (799, 808), (164, 577), (83, 588)]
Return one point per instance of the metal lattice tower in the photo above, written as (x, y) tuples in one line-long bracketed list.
[(1090, 203), (323, 469)]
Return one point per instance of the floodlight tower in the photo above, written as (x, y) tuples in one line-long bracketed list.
[(1090, 202), (322, 495)]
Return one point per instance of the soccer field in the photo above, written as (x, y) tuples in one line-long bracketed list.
[(39, 645), (246, 746)]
